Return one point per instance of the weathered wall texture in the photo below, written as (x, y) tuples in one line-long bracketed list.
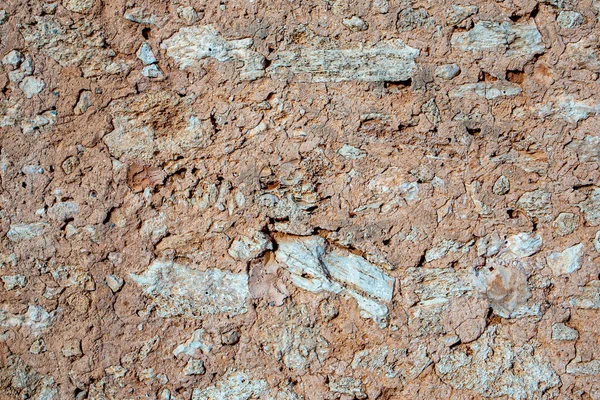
[(282, 199)]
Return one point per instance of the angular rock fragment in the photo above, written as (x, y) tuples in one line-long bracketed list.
[(196, 342), (590, 207), (235, 385), (567, 261), (488, 90), (568, 108), (537, 203), (524, 244), (447, 71), (180, 290), (12, 282), (564, 332), (190, 45), (495, 367), (246, 248), (355, 24), (578, 367), (569, 19), (114, 282), (388, 60), (566, 223), (588, 297), (314, 267), (514, 40), (501, 186), (19, 232)]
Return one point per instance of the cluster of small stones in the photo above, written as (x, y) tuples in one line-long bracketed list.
[(289, 200)]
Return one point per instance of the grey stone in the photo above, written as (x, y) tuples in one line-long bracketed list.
[(567, 261), (597, 242), (514, 40), (488, 90), (316, 268), (19, 232), (230, 338), (568, 108), (12, 282), (561, 331), (447, 71), (32, 86), (411, 18), (351, 152), (587, 149), (194, 367), (72, 348), (590, 207), (13, 58), (459, 13), (579, 368), (145, 54), (152, 71), (566, 223), (180, 290), (524, 244), (235, 385), (245, 248), (196, 342), (355, 24), (78, 6), (537, 203), (501, 186), (495, 367), (569, 19), (114, 282), (588, 298)]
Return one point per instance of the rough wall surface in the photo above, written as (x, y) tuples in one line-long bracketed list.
[(299, 199)]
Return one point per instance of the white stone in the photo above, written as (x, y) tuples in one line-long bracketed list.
[(180, 290), (235, 385), (355, 24), (194, 367), (569, 19), (63, 210), (493, 366), (501, 186), (245, 248), (188, 14), (191, 45), (152, 71), (578, 368), (566, 223), (388, 60), (145, 54), (447, 71), (459, 13), (563, 332), (195, 342), (14, 58), (316, 268), (537, 203), (347, 385), (19, 232), (567, 261), (590, 207), (514, 40), (588, 298), (351, 152), (568, 108), (32, 86), (524, 244), (488, 90), (114, 282), (597, 242), (78, 6), (12, 282)]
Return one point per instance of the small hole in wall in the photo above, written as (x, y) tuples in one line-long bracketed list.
[(24, 184), (146, 33)]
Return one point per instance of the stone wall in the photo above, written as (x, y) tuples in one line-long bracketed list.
[(321, 199)]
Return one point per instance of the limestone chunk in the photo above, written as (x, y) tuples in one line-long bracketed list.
[(597, 241), (246, 248), (566, 223), (14, 58), (180, 290), (537, 203), (568, 108), (79, 6), (235, 385), (347, 385), (152, 71), (447, 71), (578, 367), (524, 244), (38, 347), (563, 332), (72, 348), (355, 24), (569, 19), (351, 152), (114, 282), (514, 40), (145, 54), (590, 207), (459, 13), (190, 45), (194, 367), (567, 261), (32, 86), (19, 232), (495, 367), (488, 90), (314, 267), (196, 342), (12, 282), (588, 298), (501, 186), (388, 60)]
